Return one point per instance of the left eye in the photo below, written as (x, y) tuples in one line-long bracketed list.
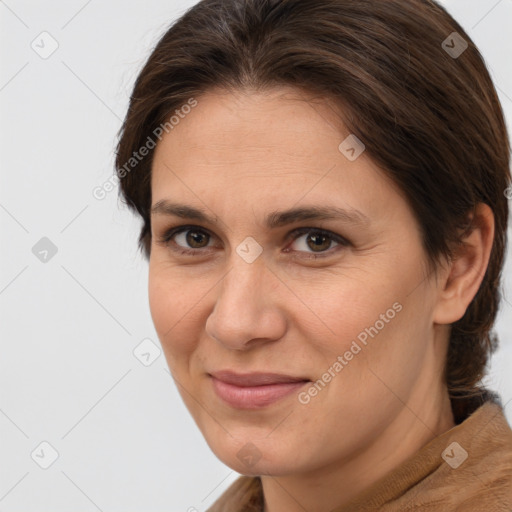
[(318, 240)]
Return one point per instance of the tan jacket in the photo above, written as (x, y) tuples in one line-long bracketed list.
[(473, 475)]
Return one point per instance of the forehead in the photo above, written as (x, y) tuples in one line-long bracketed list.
[(284, 121), (252, 149)]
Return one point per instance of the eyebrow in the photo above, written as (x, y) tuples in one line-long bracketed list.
[(273, 220)]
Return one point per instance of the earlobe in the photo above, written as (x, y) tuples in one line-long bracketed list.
[(466, 270)]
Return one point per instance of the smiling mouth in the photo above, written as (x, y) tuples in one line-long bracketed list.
[(254, 390)]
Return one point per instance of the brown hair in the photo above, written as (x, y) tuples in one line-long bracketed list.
[(430, 119)]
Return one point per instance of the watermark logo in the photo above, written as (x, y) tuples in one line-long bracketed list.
[(352, 147), (455, 45), (454, 455), (147, 352), (44, 250), (249, 250), (44, 455), (249, 454), (45, 45)]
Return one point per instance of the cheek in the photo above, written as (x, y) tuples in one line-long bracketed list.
[(160, 302), (383, 343), (172, 310), (350, 309), (370, 320)]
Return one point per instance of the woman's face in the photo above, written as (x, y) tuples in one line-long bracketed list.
[(356, 322)]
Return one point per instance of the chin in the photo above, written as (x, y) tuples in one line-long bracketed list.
[(254, 458)]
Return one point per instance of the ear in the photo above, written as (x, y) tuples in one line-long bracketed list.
[(462, 277)]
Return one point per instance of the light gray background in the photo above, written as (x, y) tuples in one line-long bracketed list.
[(68, 375)]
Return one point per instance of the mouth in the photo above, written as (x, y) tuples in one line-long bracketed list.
[(254, 390)]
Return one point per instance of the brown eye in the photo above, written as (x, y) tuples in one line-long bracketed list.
[(316, 242), (186, 240), (192, 240), (196, 239)]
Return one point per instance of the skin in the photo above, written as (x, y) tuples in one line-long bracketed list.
[(241, 156)]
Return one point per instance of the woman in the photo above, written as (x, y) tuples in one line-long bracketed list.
[(322, 186)]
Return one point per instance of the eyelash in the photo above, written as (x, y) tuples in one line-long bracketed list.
[(166, 240)]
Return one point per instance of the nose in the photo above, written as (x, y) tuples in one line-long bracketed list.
[(248, 308)]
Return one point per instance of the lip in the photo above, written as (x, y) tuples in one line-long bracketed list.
[(254, 390)]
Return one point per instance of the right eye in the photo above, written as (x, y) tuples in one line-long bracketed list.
[(177, 238)]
